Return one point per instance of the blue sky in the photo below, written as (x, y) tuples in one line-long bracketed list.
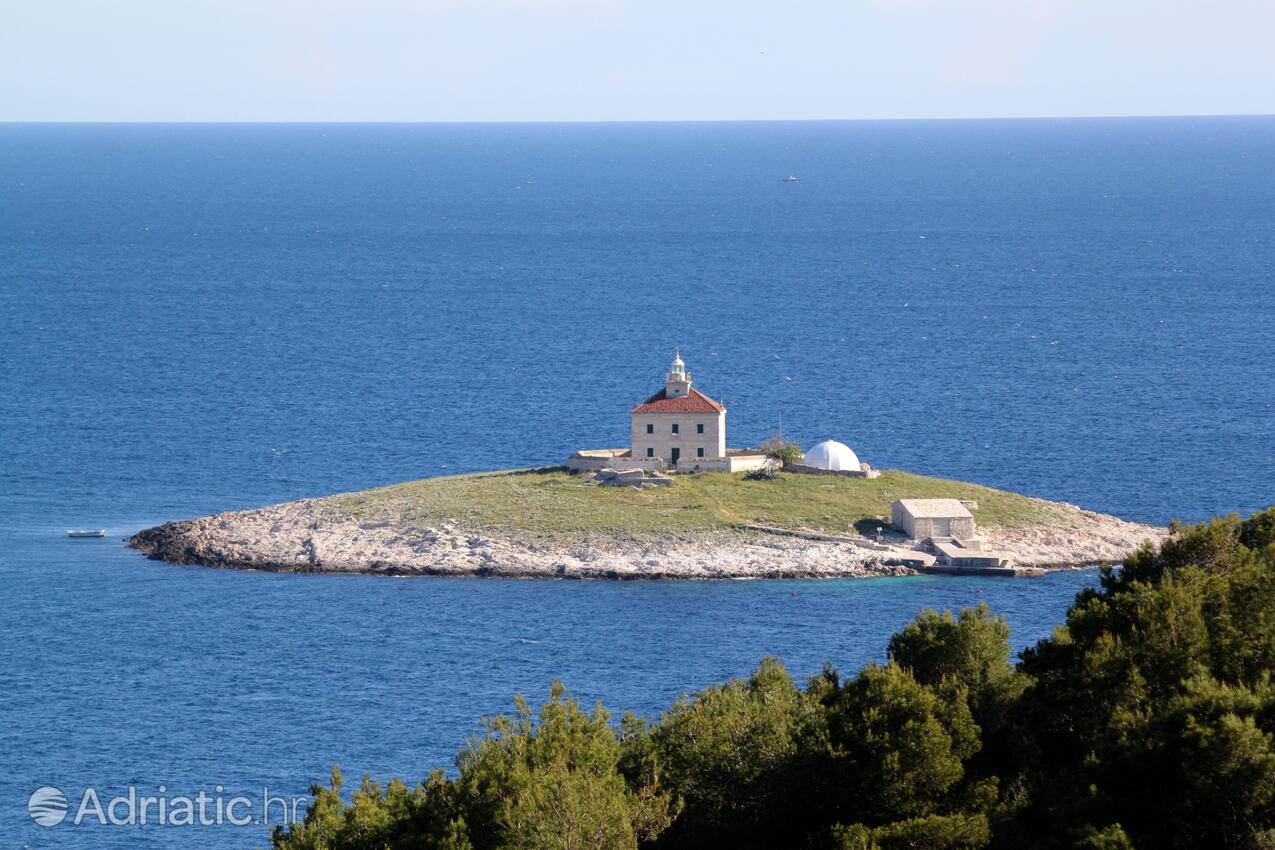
[(582, 60)]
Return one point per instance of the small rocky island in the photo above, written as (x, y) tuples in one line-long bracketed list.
[(549, 522), (675, 503)]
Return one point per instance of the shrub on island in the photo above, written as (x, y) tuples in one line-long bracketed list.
[(784, 450)]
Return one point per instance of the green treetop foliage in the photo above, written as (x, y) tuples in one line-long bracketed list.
[(1152, 710), (546, 782), (896, 753), (727, 753), (1147, 721), (969, 652)]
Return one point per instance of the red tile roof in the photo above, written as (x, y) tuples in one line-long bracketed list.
[(696, 402)]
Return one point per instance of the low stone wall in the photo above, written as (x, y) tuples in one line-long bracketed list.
[(630, 478), (591, 462), (743, 463), (730, 463), (864, 471)]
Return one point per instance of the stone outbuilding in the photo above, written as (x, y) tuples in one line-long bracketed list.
[(924, 519)]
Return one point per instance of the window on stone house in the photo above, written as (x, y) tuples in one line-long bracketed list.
[(650, 452), (650, 428), (674, 427), (699, 428), (699, 452)]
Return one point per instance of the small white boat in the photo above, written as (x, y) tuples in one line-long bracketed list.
[(86, 532), (792, 178)]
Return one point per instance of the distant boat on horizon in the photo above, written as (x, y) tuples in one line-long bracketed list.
[(792, 178), (86, 532)]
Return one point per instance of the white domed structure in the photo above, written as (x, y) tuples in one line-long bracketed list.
[(832, 455)]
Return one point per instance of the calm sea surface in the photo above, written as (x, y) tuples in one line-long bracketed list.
[(201, 318)]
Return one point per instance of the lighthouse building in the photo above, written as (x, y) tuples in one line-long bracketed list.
[(679, 423), (679, 429)]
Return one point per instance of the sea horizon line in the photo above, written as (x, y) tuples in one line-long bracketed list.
[(623, 121)]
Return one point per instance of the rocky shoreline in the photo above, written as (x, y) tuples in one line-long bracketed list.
[(304, 537)]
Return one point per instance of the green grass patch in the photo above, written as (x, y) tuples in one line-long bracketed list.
[(551, 502)]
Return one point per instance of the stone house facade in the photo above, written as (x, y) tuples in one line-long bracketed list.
[(923, 519)]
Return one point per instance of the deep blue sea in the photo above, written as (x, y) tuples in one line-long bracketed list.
[(202, 318)]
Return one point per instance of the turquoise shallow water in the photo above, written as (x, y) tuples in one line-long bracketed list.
[(195, 319)]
